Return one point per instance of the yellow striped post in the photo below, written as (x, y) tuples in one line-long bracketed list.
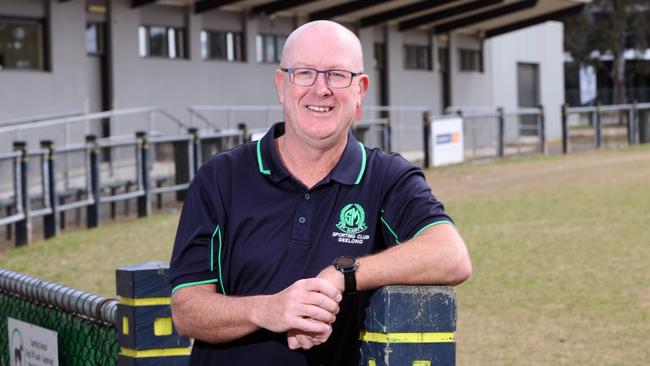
[(146, 334), (410, 326)]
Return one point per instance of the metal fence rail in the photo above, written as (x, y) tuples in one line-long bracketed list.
[(84, 322), (594, 127), (71, 129)]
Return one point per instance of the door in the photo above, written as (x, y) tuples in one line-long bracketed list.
[(528, 96)]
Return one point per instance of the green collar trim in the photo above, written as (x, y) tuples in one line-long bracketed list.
[(260, 165), (363, 164)]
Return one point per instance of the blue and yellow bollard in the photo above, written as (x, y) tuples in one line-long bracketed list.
[(410, 326), (146, 334)]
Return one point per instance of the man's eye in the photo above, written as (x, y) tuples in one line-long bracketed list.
[(337, 74), (303, 73)]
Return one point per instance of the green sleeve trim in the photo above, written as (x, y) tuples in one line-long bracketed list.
[(259, 159), (363, 163), (194, 284), (390, 229), (431, 225), (217, 231)]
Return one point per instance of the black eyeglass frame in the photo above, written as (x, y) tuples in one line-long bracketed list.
[(290, 70)]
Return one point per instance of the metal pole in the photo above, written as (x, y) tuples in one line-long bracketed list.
[(144, 202), (387, 135), (634, 123), (24, 226), (541, 130), (195, 158), (51, 221), (244, 132), (93, 210), (501, 132), (426, 132), (598, 127), (565, 130)]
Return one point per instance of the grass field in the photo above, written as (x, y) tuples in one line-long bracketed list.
[(560, 247)]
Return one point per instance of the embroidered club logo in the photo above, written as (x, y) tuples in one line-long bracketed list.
[(352, 219)]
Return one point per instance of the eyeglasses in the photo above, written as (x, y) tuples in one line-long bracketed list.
[(305, 76)]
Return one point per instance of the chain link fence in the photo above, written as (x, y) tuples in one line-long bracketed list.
[(81, 340), (84, 323)]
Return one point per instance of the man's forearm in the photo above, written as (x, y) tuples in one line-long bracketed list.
[(438, 256), (309, 305), (203, 314)]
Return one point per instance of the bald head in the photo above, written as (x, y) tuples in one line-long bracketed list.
[(336, 39)]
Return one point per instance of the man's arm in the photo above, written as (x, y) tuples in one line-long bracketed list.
[(308, 305), (438, 256)]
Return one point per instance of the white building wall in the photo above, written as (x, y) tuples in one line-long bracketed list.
[(541, 44), (469, 88), (61, 89)]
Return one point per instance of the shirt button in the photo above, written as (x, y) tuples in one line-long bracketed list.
[(307, 196), (302, 219)]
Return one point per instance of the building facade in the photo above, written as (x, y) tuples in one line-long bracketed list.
[(94, 55)]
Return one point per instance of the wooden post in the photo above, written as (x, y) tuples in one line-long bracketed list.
[(410, 325), (146, 334), (51, 221), (24, 226)]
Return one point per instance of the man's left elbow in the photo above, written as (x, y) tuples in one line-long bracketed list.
[(461, 272)]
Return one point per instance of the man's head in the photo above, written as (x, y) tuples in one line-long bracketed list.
[(321, 114)]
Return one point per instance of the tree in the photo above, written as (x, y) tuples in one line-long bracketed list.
[(606, 30)]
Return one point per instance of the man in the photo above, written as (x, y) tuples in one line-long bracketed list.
[(252, 274)]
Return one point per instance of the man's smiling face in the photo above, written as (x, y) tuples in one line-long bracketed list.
[(319, 114)]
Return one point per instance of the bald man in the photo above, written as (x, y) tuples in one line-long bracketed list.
[(280, 239)]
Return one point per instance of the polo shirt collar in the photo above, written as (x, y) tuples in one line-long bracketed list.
[(349, 169)]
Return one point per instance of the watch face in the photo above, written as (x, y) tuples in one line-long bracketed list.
[(345, 261)]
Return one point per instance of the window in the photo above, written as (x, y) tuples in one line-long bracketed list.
[(95, 38), (22, 45), (471, 60), (417, 57), (226, 46), (269, 47), (161, 41)]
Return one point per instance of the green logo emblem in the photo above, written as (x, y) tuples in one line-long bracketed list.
[(352, 219)]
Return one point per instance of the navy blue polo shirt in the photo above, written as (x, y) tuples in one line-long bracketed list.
[(251, 228)]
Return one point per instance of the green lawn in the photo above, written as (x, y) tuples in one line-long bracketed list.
[(560, 247)]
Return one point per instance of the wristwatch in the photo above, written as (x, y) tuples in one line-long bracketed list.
[(348, 265)]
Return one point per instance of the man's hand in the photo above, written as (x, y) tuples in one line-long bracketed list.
[(306, 340), (309, 306), (297, 339), (334, 277)]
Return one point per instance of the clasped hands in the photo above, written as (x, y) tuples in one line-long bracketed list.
[(306, 309)]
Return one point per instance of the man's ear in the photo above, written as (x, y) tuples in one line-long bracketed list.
[(364, 82), (279, 85)]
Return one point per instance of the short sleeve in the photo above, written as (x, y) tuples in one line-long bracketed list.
[(408, 207), (196, 255)]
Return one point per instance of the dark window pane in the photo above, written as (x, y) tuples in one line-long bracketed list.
[(279, 45), (217, 45), (269, 48), (21, 45), (158, 41)]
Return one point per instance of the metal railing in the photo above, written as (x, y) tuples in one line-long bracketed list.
[(595, 127), (134, 172), (120, 122)]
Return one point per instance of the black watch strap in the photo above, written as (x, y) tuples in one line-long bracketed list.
[(348, 266), (350, 282)]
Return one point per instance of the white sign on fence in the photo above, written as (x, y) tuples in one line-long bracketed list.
[(447, 146), (30, 345)]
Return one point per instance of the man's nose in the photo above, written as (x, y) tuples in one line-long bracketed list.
[(321, 85)]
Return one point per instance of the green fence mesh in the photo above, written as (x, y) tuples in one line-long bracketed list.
[(81, 341)]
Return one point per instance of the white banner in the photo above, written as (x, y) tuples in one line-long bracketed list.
[(588, 86), (30, 345), (447, 146)]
